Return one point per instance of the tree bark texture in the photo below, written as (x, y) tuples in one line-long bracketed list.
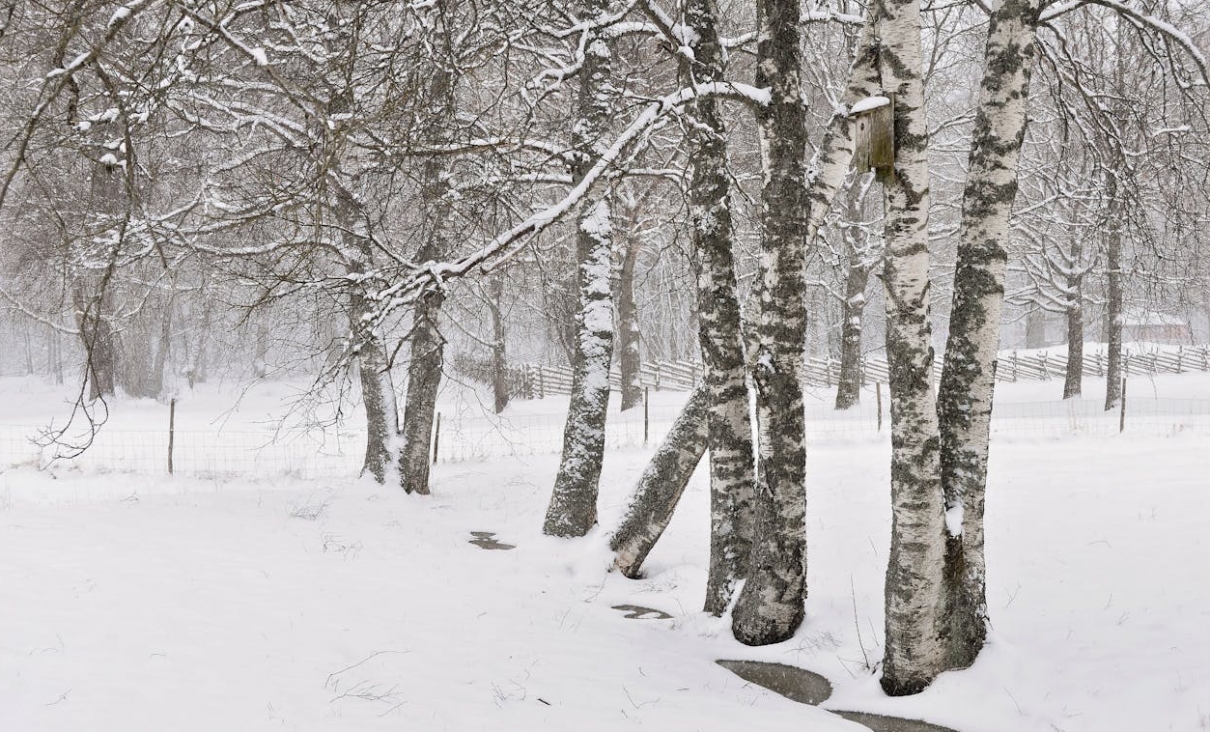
[(860, 263), (732, 465), (913, 582), (1115, 317), (964, 402), (628, 325), (770, 606), (1073, 379), (368, 349), (495, 296), (573, 503), (420, 404), (662, 484), (427, 344)]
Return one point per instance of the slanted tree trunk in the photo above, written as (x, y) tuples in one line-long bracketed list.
[(913, 653), (495, 297), (661, 486), (964, 402), (628, 326), (770, 606), (860, 263), (573, 503), (1073, 381), (732, 468)]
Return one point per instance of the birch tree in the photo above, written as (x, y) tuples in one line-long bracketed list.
[(573, 503), (770, 606), (964, 402), (913, 652), (730, 431)]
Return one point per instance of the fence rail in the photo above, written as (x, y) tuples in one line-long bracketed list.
[(533, 381)]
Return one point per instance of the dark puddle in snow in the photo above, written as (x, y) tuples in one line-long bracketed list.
[(879, 723), (805, 687), (791, 682), (638, 612), (487, 540)]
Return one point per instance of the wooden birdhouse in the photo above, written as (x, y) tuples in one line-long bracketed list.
[(874, 136)]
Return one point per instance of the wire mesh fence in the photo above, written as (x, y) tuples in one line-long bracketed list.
[(467, 435)]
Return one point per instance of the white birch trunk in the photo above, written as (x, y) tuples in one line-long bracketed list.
[(913, 583), (964, 404)]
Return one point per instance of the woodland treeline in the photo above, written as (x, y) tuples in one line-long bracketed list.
[(359, 192)]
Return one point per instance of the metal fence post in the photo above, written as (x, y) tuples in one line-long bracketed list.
[(1122, 417), (436, 437), (878, 401), (646, 414), (171, 431)]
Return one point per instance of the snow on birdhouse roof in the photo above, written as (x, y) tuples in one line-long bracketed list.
[(865, 105)]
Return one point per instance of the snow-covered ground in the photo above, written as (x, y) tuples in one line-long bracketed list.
[(135, 601)]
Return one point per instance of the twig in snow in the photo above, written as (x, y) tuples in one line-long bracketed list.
[(62, 697), (857, 623), (332, 676)]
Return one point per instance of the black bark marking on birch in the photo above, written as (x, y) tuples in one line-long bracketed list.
[(964, 402), (795, 684), (661, 486)]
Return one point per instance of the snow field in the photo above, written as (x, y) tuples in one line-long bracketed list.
[(145, 603)]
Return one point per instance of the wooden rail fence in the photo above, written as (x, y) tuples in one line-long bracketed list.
[(534, 381)]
